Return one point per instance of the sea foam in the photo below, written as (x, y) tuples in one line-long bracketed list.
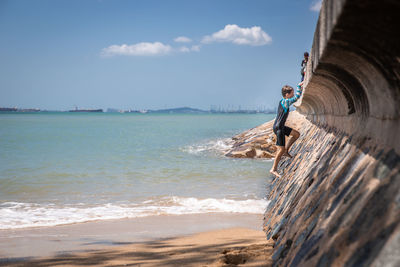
[(219, 146), (15, 215)]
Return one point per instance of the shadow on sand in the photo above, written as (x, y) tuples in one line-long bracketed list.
[(165, 252)]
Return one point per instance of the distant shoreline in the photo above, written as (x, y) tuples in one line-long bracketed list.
[(181, 110)]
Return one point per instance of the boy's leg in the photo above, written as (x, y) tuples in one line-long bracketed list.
[(294, 135), (279, 153)]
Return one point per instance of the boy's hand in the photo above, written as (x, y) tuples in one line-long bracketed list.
[(301, 84)]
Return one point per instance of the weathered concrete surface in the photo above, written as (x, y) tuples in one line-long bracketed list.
[(338, 202)]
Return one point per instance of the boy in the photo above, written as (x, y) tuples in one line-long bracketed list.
[(289, 97), (304, 65)]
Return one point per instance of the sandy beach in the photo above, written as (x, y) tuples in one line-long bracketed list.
[(228, 247), (188, 240)]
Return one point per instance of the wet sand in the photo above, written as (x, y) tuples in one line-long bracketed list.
[(184, 240)]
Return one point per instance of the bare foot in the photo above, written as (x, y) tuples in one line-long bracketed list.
[(275, 173), (286, 154)]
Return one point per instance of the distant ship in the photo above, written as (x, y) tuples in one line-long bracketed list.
[(20, 109), (86, 110), (8, 109)]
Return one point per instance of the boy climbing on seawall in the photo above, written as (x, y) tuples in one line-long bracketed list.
[(289, 97), (304, 65)]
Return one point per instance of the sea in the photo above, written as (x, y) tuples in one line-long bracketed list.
[(64, 168)]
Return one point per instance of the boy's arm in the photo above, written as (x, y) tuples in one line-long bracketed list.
[(290, 101)]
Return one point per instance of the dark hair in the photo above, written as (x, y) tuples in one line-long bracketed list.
[(286, 90), (306, 54)]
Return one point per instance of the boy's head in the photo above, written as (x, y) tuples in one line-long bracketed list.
[(287, 91), (306, 56)]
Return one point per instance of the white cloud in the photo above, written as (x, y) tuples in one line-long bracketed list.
[(195, 48), (139, 49), (182, 39), (316, 6), (186, 49), (254, 36)]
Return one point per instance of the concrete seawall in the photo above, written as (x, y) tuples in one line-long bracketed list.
[(353, 78), (338, 202)]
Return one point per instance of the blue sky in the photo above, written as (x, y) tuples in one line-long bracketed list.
[(151, 54)]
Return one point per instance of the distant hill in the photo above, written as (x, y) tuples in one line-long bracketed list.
[(178, 110)]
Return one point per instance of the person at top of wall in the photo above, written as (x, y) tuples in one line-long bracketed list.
[(304, 65), (280, 130)]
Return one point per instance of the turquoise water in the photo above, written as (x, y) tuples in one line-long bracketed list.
[(59, 168)]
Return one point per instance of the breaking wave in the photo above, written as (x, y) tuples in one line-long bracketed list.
[(21, 215)]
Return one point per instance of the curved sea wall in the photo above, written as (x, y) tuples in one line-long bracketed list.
[(338, 200), (353, 78)]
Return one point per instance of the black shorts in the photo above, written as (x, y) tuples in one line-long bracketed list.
[(280, 135)]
